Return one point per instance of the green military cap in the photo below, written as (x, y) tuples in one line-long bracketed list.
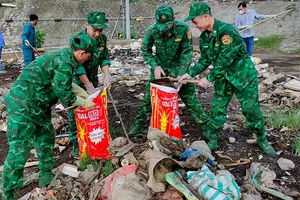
[(164, 18), (198, 9), (84, 42), (97, 20)]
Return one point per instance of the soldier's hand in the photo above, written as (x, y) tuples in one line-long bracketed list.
[(106, 81), (158, 71), (181, 79), (78, 91), (204, 83), (90, 88)]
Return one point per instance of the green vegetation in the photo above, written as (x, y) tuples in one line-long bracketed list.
[(40, 38), (269, 43), (116, 131), (297, 146), (289, 119), (107, 168), (297, 50), (85, 161), (134, 33)]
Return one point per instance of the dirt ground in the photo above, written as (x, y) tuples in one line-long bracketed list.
[(128, 104)]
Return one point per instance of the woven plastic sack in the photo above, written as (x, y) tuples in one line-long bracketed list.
[(214, 187), (93, 129), (165, 112)]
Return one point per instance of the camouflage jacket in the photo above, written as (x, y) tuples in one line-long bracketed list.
[(90, 67), (173, 53), (41, 84), (226, 51)]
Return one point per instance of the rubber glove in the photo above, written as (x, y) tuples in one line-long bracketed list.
[(181, 79), (85, 103), (106, 81), (78, 91), (204, 82), (158, 71), (90, 88)]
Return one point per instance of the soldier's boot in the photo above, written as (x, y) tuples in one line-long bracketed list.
[(75, 149), (213, 141), (264, 145)]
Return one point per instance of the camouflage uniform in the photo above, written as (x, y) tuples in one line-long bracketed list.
[(174, 54), (29, 103), (233, 73), (90, 68)]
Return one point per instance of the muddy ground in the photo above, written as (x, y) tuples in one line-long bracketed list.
[(128, 104)]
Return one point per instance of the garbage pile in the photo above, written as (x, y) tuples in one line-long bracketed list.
[(278, 89), (163, 168)]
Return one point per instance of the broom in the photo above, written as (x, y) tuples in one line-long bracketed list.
[(290, 8)]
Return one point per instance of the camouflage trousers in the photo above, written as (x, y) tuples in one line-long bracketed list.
[(72, 127), (188, 95), (21, 133), (248, 99)]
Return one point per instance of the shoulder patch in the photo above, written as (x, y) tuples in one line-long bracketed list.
[(189, 34), (226, 39), (177, 39)]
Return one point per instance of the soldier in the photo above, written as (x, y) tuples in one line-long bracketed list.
[(86, 75), (29, 103), (174, 51), (28, 36), (233, 73)]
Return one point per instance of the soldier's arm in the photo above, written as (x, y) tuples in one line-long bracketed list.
[(62, 83), (231, 43), (186, 53), (201, 64), (146, 48), (106, 61)]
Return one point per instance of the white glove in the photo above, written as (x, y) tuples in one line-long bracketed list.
[(106, 81), (204, 83), (158, 71), (90, 88), (181, 79)]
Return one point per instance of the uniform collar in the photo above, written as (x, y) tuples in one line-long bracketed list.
[(215, 28)]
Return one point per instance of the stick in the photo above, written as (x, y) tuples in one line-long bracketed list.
[(118, 114), (28, 44), (265, 20), (65, 109), (186, 81)]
